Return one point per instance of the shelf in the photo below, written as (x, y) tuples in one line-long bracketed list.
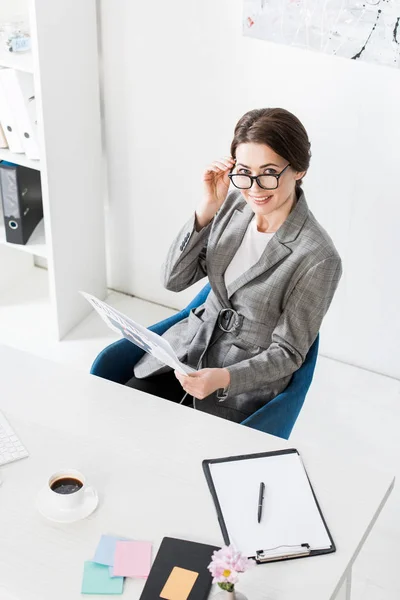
[(21, 61), (82, 263), (36, 244), (19, 159)]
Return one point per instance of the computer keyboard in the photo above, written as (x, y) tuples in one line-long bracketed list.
[(11, 448)]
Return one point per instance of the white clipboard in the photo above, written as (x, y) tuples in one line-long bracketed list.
[(291, 524)]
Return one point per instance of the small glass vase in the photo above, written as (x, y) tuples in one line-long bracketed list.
[(224, 595)]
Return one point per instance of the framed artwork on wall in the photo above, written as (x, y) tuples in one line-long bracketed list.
[(367, 30)]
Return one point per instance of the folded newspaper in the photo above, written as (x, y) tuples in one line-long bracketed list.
[(139, 335)]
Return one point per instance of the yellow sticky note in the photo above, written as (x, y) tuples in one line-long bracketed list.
[(179, 584)]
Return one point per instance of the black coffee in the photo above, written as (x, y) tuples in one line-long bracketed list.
[(66, 485)]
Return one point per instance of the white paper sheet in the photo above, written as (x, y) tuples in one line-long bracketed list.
[(137, 334), (290, 515)]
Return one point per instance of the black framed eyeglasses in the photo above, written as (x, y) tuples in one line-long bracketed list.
[(266, 182)]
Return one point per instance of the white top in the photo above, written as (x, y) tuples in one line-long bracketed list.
[(117, 436), (249, 252)]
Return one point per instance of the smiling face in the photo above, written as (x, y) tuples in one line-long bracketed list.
[(260, 159)]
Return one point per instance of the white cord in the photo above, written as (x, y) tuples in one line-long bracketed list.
[(183, 398)]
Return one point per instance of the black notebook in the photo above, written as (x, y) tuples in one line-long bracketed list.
[(180, 571)]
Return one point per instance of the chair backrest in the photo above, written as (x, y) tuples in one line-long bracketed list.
[(278, 417), (199, 299), (280, 414)]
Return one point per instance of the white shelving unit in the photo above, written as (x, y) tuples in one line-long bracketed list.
[(36, 244), (64, 63), (22, 62), (19, 159)]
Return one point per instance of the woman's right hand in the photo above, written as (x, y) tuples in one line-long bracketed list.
[(216, 185)]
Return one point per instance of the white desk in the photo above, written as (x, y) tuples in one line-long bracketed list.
[(144, 454)]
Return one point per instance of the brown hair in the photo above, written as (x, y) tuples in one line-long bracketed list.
[(280, 130)]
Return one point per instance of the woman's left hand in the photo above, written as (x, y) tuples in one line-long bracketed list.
[(204, 382)]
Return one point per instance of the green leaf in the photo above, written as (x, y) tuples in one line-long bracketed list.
[(228, 587)]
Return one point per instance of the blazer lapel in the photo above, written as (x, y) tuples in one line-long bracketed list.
[(276, 250), (273, 253)]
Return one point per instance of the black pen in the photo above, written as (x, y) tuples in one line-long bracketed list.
[(260, 500)]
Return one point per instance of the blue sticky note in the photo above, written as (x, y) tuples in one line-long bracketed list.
[(96, 580), (106, 550)]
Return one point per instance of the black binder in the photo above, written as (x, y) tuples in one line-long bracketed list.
[(291, 490), (172, 553), (21, 194)]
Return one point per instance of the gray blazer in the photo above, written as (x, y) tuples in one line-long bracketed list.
[(261, 327)]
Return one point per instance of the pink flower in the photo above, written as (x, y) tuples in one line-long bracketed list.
[(227, 563)]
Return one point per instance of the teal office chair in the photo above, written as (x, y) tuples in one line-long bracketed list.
[(278, 417)]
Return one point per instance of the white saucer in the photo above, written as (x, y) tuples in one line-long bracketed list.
[(47, 509)]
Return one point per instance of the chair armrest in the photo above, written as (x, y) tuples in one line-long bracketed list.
[(117, 360)]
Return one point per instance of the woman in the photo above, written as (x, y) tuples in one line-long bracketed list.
[(272, 268)]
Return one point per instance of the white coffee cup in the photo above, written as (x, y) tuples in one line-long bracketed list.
[(67, 489)]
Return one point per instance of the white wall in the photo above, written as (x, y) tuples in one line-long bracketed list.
[(177, 77), (12, 8)]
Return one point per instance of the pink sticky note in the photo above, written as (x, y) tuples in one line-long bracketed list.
[(132, 559)]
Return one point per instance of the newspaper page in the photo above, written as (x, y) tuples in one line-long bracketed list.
[(137, 334)]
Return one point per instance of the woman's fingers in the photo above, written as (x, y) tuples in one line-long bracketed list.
[(182, 379), (230, 162), (216, 168), (178, 375), (221, 165)]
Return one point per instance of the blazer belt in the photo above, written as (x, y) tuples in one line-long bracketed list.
[(230, 321)]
